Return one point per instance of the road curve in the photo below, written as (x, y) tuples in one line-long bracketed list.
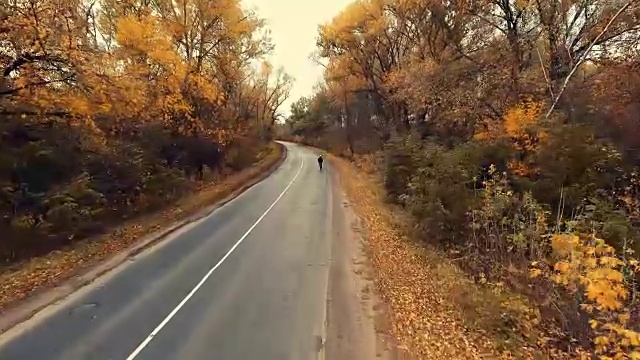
[(249, 281)]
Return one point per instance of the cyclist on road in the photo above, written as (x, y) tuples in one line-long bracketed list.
[(320, 160)]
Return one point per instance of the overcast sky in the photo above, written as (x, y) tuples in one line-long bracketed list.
[(294, 25)]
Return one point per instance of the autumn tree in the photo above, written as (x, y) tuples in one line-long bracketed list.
[(108, 107)]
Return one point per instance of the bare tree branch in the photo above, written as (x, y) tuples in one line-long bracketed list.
[(584, 56)]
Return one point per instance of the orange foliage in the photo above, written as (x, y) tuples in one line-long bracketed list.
[(520, 126), (591, 267), (516, 124), (519, 118)]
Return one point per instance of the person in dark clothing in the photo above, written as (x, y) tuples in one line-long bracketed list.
[(320, 160)]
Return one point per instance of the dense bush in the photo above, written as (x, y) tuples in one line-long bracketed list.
[(58, 186)]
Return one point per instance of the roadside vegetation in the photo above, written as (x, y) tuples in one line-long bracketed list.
[(25, 278), (508, 132)]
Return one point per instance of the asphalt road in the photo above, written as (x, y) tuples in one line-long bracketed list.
[(249, 281)]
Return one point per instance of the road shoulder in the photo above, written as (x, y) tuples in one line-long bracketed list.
[(356, 324)]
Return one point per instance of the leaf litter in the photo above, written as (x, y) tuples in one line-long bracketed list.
[(435, 311)]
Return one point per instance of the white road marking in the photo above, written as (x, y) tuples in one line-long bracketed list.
[(192, 292)]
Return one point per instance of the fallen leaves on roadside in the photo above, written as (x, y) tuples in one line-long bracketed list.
[(419, 294), (24, 279)]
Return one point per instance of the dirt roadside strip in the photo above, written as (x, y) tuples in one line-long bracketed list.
[(55, 276), (356, 321)]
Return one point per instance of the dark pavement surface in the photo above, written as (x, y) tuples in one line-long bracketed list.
[(266, 300)]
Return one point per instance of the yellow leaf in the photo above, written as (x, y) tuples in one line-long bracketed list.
[(561, 266), (535, 273)]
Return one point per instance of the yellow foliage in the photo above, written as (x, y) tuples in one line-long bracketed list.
[(518, 127), (591, 266), (520, 117), (185, 66)]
